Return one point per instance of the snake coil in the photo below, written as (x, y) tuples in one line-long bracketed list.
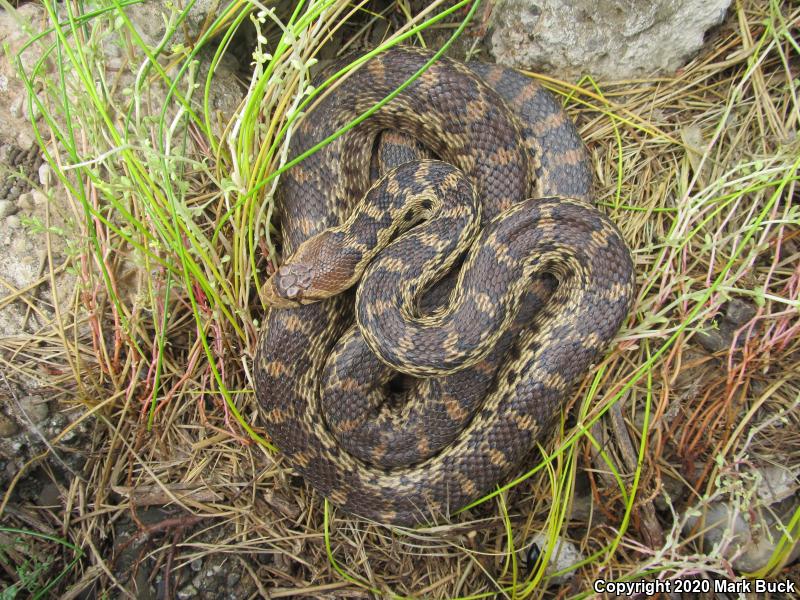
[(490, 349)]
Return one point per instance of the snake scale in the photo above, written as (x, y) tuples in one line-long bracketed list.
[(409, 398)]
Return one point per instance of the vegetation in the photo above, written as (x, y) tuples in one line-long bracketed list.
[(169, 231)]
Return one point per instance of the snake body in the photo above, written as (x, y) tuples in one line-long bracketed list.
[(488, 357)]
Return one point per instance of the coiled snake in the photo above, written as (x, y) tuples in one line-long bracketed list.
[(541, 292)]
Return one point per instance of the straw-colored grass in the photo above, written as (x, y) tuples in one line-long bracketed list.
[(170, 224)]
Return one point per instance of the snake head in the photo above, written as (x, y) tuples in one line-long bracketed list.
[(321, 267)]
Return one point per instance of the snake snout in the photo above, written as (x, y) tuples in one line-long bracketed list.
[(321, 267), (287, 286)]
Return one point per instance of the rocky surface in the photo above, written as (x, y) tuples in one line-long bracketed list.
[(608, 39), (748, 527), (31, 199), (152, 17), (26, 188)]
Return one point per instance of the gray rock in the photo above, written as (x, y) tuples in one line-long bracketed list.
[(46, 176), (149, 18), (25, 201), (15, 109), (187, 592), (35, 407), (748, 535), (565, 555), (7, 208), (609, 39), (738, 312), (778, 483), (7, 426), (751, 545), (49, 495), (712, 339), (721, 333), (25, 137)]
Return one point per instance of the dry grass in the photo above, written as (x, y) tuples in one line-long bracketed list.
[(699, 171)]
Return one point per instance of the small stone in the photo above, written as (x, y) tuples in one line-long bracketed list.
[(739, 312), (196, 565), (50, 495), (15, 109), (7, 426), (564, 556), (13, 222), (114, 63), (25, 138), (39, 199), (777, 483), (749, 545), (27, 107), (187, 592), (581, 507), (7, 208), (21, 245), (25, 202), (111, 50), (35, 407), (711, 339), (46, 176)]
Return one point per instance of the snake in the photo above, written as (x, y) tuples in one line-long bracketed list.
[(435, 306)]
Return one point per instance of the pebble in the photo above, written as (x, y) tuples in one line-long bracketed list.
[(46, 176), (25, 201), (15, 110), (581, 507), (777, 483), (752, 545), (39, 198), (50, 495), (564, 555), (114, 63), (7, 208), (27, 107), (738, 312), (13, 222), (750, 532), (25, 138), (7, 426), (21, 245), (35, 407), (187, 592)]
